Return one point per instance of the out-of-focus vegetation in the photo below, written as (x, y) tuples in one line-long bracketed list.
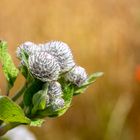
[(104, 36)]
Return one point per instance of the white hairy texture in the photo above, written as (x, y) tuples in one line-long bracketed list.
[(48, 101), (44, 66), (61, 52), (27, 47), (58, 103), (77, 75), (54, 90)]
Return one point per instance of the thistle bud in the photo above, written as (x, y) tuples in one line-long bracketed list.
[(44, 66), (77, 76), (58, 103), (61, 52), (54, 90), (27, 47)]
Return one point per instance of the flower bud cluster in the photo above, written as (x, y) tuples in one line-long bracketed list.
[(47, 62)]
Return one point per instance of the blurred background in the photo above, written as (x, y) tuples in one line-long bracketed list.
[(104, 35)]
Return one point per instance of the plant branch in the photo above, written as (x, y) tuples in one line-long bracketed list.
[(1, 122), (19, 93)]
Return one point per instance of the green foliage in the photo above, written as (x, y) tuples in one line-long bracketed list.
[(94, 76), (91, 79), (11, 112), (39, 100), (69, 90), (24, 58), (24, 71), (31, 89), (37, 122), (10, 71), (24, 68), (67, 96)]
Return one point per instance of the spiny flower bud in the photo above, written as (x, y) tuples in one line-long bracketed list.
[(61, 52), (54, 89), (77, 76), (58, 103), (44, 66), (27, 47), (47, 101)]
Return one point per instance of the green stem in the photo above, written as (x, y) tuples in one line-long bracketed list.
[(19, 93), (7, 90), (1, 122), (7, 127), (21, 104)]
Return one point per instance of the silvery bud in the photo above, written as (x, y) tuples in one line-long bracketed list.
[(58, 103), (54, 90), (47, 100), (77, 75), (27, 47), (61, 52), (44, 66)]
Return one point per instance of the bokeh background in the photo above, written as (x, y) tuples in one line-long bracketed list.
[(104, 35)]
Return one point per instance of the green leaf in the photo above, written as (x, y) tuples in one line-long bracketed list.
[(31, 89), (91, 79), (24, 71), (25, 68), (94, 76), (11, 112), (24, 58), (39, 100), (10, 71), (37, 122)]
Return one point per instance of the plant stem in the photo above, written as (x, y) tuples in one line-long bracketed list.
[(7, 127), (1, 122), (7, 90), (19, 93)]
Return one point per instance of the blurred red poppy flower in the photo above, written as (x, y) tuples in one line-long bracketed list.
[(137, 73)]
